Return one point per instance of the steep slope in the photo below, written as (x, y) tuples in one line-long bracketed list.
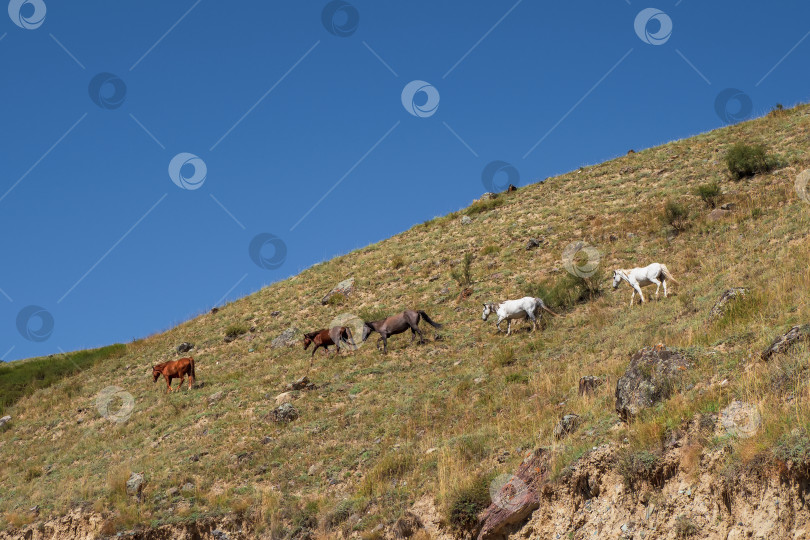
[(434, 422)]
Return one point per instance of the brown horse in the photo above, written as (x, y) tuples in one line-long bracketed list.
[(324, 338), (175, 369), (396, 324)]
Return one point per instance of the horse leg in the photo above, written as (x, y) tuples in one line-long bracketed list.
[(632, 298), (640, 295), (658, 286), (508, 327), (182, 380), (530, 316), (168, 383), (385, 343), (500, 320), (415, 330), (190, 380), (665, 287)]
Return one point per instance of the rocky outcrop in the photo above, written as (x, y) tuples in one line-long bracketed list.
[(344, 288), (649, 379), (184, 347), (783, 343), (287, 338), (514, 497), (567, 425), (135, 485), (741, 419), (284, 413), (5, 420), (726, 298)]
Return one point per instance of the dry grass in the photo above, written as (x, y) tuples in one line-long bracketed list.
[(431, 419)]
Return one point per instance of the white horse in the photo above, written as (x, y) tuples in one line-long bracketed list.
[(637, 278), (525, 308)]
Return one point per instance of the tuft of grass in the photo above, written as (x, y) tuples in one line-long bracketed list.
[(676, 215), (517, 378), (484, 206), (685, 527), (466, 502), (637, 466), (397, 262), (491, 249), (463, 275), (745, 160), (235, 330), (709, 193)]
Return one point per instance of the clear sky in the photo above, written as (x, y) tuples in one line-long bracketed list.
[(160, 158)]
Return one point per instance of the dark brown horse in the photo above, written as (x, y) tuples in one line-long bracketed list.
[(175, 369), (396, 324), (324, 338)]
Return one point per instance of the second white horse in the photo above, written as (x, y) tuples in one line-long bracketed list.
[(656, 273), (525, 308)]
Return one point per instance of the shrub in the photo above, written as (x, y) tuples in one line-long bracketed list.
[(710, 193), (567, 291), (463, 275), (637, 466), (675, 215), (504, 356), (517, 378), (397, 262), (235, 330), (336, 299), (685, 527), (484, 206), (466, 502), (745, 160)]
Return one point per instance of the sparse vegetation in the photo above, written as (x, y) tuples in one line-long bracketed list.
[(466, 502), (463, 275), (397, 262), (709, 193), (745, 160), (235, 330), (676, 215)]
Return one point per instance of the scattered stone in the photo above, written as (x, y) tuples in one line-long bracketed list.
[(785, 342), (287, 338), (408, 525), (213, 398), (284, 413), (567, 425), (188, 486), (267, 439), (313, 469), (214, 310), (275, 313), (285, 397), (718, 213), (135, 485), (741, 419), (728, 206), (5, 420), (613, 238), (185, 347), (649, 379), (300, 384), (534, 242), (466, 220), (729, 295), (487, 196), (515, 500), (345, 288), (220, 535), (172, 492), (588, 384)]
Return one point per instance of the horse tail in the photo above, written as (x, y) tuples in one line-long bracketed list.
[(430, 321), (193, 373), (349, 337), (666, 273), (545, 307)]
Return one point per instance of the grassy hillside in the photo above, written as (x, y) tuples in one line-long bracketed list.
[(381, 432)]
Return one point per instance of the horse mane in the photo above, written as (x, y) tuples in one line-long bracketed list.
[(160, 366), (311, 335)]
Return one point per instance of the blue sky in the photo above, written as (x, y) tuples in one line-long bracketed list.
[(281, 102)]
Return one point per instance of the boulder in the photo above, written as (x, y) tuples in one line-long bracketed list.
[(588, 384), (345, 288), (135, 485), (649, 379), (567, 425), (287, 338), (728, 296), (184, 347), (728, 206), (514, 497), (741, 419), (783, 343), (216, 396), (466, 220), (5, 420), (300, 384), (718, 213), (285, 397), (532, 243), (284, 413)]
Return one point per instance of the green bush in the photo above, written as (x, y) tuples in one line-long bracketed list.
[(710, 193), (484, 206), (463, 275), (490, 250), (675, 215), (745, 160), (235, 330), (517, 378), (466, 503), (397, 262), (568, 290)]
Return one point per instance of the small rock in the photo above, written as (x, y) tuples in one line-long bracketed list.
[(345, 288), (188, 486), (184, 347), (287, 338), (532, 243), (466, 220), (213, 398), (275, 313), (284, 413), (408, 525), (284, 397), (730, 295), (728, 206), (650, 378), (214, 310), (267, 439), (741, 419), (718, 213), (300, 384), (135, 485), (567, 425), (220, 535), (313, 469), (171, 492), (786, 341), (5, 420)]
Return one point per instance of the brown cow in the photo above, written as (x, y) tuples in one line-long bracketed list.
[(175, 369)]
